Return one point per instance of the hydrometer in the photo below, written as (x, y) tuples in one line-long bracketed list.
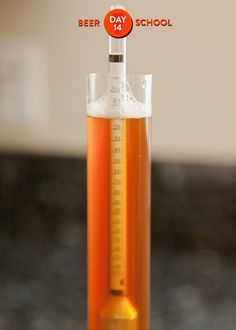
[(118, 171), (118, 312)]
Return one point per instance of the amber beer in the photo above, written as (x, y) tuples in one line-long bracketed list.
[(137, 210)]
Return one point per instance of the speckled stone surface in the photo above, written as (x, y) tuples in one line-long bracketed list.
[(43, 245)]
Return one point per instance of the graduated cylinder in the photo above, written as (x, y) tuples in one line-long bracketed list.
[(118, 188)]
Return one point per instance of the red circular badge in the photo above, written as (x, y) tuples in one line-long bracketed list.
[(118, 23)]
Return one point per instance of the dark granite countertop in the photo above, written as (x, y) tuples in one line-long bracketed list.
[(43, 245)]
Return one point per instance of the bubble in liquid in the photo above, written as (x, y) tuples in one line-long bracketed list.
[(118, 102)]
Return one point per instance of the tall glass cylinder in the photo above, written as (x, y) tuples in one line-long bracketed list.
[(118, 199)]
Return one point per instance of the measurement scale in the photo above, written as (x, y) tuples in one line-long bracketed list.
[(118, 206)]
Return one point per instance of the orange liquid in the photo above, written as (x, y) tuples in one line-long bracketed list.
[(138, 217)]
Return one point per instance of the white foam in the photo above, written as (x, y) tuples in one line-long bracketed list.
[(119, 102)]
